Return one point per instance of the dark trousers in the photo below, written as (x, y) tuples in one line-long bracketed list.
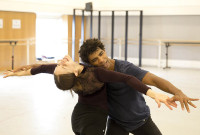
[(88, 120), (149, 128)]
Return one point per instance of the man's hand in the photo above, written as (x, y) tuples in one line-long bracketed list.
[(164, 85), (184, 100)]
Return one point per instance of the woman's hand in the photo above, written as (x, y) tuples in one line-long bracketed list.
[(161, 98), (19, 73)]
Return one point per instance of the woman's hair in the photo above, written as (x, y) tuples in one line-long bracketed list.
[(88, 47), (85, 83), (65, 81)]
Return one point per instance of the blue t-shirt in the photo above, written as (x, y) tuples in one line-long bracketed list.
[(127, 107)]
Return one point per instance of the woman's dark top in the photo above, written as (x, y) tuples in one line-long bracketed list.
[(93, 81)]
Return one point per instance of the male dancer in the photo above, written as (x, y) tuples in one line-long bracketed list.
[(128, 112)]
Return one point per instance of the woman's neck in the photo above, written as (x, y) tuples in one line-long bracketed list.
[(80, 68)]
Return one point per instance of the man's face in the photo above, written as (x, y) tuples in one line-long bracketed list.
[(99, 58)]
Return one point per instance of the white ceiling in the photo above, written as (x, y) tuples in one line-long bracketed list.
[(150, 7)]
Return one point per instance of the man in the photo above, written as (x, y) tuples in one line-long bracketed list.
[(128, 112)]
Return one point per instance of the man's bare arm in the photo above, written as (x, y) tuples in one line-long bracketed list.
[(166, 86)]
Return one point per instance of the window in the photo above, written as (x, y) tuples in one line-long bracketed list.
[(51, 37)]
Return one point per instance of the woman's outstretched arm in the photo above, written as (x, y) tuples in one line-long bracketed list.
[(32, 71)]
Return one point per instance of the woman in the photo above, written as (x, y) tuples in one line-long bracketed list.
[(90, 84)]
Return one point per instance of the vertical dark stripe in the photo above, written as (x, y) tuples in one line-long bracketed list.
[(112, 35), (91, 21), (82, 27), (126, 36), (13, 53), (73, 34), (99, 25), (140, 39)]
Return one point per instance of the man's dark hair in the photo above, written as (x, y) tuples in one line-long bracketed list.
[(88, 47)]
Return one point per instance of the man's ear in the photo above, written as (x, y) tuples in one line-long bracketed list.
[(76, 72)]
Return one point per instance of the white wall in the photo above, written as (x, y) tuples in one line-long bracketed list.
[(155, 27)]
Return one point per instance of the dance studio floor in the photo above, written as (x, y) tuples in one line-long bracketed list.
[(34, 106)]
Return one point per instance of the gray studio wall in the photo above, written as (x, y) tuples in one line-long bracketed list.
[(154, 27)]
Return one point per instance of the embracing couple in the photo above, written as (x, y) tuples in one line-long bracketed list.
[(110, 92)]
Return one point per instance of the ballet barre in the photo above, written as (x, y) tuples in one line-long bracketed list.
[(170, 42), (12, 43)]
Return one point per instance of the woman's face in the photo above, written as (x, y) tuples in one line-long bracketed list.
[(65, 66)]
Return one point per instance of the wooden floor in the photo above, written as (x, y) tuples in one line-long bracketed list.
[(34, 106)]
